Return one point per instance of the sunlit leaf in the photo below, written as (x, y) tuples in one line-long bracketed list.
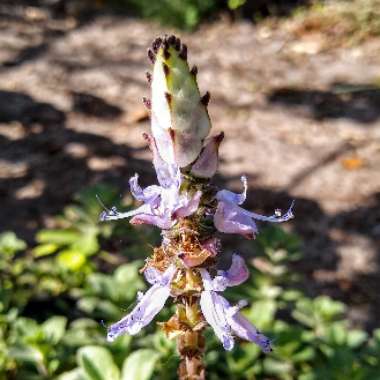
[(10, 243), (97, 363), (139, 365), (54, 328), (71, 259)]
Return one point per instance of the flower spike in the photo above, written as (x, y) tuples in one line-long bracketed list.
[(189, 210)]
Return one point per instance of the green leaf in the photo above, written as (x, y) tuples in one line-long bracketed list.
[(87, 243), (234, 4), (26, 354), (139, 365), (44, 249), (54, 328), (356, 338), (58, 236), (277, 367), (97, 363), (71, 259), (75, 374), (328, 308), (262, 312), (10, 243)]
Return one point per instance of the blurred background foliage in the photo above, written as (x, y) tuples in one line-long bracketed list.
[(57, 297), (357, 16)]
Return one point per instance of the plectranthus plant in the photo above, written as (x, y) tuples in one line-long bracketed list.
[(191, 213)]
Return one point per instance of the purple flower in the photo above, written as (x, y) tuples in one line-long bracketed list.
[(148, 305), (226, 320), (231, 218), (206, 164), (162, 205)]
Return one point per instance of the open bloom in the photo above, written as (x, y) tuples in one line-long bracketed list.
[(148, 305), (162, 205), (231, 218), (226, 320)]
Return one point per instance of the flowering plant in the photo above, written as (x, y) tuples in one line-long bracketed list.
[(190, 211)]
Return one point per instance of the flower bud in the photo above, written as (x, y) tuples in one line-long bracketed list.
[(179, 117)]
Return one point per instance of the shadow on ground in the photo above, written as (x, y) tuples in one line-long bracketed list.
[(359, 102), (46, 159)]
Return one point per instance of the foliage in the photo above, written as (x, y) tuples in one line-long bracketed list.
[(54, 296), (347, 22), (182, 14)]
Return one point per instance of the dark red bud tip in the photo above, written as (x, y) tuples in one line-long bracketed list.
[(172, 40), (147, 103), (168, 98), (194, 70), (205, 99), (219, 138), (149, 77), (166, 54), (183, 52), (172, 134), (166, 69), (151, 56), (177, 45), (156, 44)]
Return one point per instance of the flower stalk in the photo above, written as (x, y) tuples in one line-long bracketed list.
[(191, 212)]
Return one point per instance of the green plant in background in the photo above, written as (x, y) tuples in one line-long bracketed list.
[(312, 339), (182, 14)]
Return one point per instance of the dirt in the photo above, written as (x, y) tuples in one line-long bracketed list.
[(302, 121)]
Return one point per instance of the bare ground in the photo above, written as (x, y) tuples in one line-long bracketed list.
[(302, 121)]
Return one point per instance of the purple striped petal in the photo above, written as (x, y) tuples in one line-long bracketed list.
[(231, 197), (247, 331), (188, 205), (161, 221), (167, 173), (226, 320), (150, 194), (114, 214), (148, 306), (236, 274), (229, 219), (213, 307)]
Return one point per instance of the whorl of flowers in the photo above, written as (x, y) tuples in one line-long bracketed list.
[(190, 211)]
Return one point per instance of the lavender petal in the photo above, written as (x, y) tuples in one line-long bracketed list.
[(246, 330), (207, 163), (148, 306), (229, 219), (231, 197), (236, 274), (189, 205), (213, 307)]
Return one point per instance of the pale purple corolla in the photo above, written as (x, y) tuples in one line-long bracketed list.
[(162, 205), (231, 218), (226, 320), (148, 304)]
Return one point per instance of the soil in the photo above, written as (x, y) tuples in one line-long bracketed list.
[(301, 118)]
